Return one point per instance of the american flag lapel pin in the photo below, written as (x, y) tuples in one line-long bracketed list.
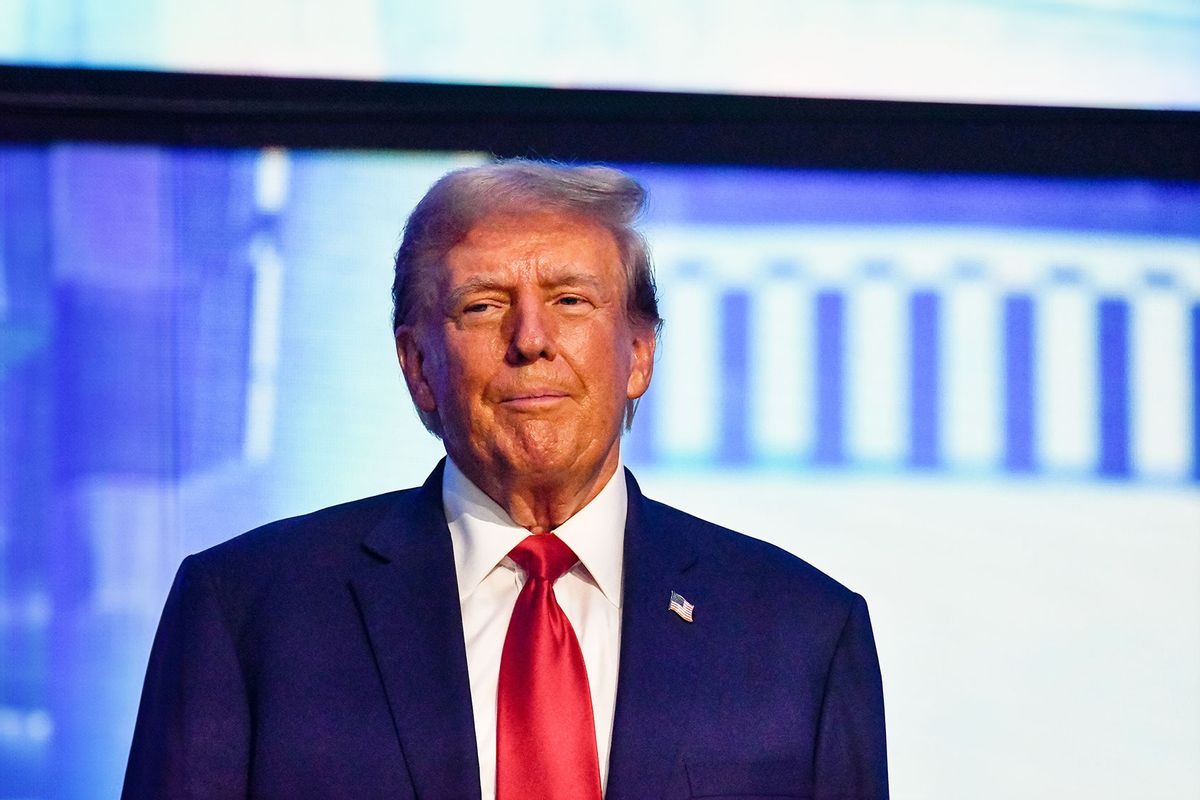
[(681, 607)]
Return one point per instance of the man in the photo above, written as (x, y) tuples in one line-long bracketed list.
[(526, 624)]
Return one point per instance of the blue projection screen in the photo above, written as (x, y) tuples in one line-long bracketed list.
[(975, 400)]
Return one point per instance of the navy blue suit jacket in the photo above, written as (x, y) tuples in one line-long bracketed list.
[(323, 656)]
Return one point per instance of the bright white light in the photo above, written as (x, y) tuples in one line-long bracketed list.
[(1071, 52)]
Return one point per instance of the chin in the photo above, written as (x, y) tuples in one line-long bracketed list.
[(542, 450), (539, 462)]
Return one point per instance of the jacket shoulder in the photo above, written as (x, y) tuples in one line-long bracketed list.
[(307, 535), (291, 564), (743, 559)]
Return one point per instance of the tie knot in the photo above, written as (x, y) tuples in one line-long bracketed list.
[(543, 556)]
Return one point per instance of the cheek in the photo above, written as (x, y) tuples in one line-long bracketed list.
[(612, 365), (465, 370)]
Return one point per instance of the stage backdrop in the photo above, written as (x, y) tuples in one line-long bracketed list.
[(1119, 53), (974, 400)]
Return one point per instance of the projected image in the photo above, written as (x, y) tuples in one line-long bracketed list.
[(959, 325), (973, 400)]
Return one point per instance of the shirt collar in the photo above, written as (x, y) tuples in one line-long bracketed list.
[(483, 533)]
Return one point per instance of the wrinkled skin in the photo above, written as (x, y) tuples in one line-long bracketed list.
[(528, 360)]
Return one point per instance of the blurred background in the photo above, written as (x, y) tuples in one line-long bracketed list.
[(954, 363)]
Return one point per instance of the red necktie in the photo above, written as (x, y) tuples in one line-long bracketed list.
[(545, 734)]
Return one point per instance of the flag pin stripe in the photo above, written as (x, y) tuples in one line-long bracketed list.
[(681, 607)]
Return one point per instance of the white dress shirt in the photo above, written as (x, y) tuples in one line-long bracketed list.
[(489, 581)]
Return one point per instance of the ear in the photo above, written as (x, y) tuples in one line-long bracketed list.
[(641, 367), (412, 364)]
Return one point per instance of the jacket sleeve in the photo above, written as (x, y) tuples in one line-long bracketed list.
[(193, 726), (851, 758)]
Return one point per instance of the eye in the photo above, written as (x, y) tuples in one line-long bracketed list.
[(480, 305), (571, 301)]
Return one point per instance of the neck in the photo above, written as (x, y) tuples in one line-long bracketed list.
[(543, 502)]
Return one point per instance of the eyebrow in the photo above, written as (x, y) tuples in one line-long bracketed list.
[(474, 284), (483, 283), (578, 279)]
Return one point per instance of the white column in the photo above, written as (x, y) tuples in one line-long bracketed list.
[(971, 373), (781, 368), (689, 369), (877, 379), (1066, 405), (271, 182), (1161, 391)]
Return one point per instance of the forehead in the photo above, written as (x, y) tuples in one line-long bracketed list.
[(542, 241)]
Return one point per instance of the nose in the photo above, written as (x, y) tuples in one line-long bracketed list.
[(533, 332)]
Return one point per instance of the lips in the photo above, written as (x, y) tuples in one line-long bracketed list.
[(531, 399)]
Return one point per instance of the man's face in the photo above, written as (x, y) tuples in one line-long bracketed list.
[(529, 357)]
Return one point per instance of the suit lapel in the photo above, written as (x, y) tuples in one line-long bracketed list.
[(409, 604), (659, 656)]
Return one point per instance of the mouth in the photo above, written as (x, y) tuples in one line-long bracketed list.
[(534, 399)]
